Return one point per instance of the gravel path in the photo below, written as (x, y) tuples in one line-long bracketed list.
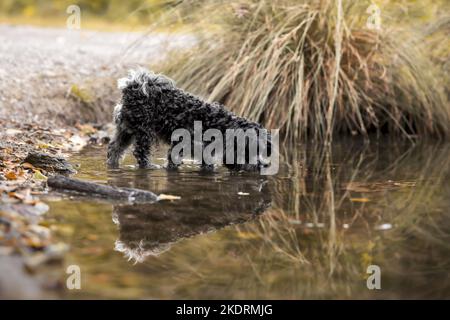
[(39, 66)]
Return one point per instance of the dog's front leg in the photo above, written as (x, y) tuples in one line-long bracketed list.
[(173, 162), (142, 146)]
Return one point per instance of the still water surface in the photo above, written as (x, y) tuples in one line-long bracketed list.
[(311, 231)]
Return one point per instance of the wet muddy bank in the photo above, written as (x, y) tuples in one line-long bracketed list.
[(30, 152)]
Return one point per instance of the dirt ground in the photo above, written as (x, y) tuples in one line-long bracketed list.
[(70, 75)]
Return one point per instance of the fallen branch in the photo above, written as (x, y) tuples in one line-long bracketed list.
[(96, 189)]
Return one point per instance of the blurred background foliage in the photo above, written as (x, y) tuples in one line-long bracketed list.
[(143, 12), (96, 14)]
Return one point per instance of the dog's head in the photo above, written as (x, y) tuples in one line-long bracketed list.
[(146, 82)]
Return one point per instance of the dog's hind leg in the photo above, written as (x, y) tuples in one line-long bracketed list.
[(121, 141)]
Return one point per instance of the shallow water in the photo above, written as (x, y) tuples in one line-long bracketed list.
[(311, 231)]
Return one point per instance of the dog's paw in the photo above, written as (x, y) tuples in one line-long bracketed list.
[(112, 165), (207, 168), (171, 166), (150, 166)]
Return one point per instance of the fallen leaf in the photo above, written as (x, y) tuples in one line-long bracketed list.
[(363, 200), (11, 175), (39, 176), (43, 145), (247, 235), (16, 195), (86, 128), (34, 241), (27, 165), (168, 197)]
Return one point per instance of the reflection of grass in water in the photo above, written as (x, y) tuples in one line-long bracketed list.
[(333, 258), (275, 257)]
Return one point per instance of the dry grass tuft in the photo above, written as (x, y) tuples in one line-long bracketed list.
[(314, 69)]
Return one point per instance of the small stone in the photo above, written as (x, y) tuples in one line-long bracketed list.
[(49, 163)]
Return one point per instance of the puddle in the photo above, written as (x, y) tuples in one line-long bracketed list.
[(311, 231)]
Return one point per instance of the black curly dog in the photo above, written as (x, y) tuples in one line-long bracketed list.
[(152, 107)]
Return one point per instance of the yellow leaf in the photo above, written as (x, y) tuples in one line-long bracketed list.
[(247, 235), (43, 146), (86, 128), (80, 93), (39, 176), (359, 200), (168, 197)]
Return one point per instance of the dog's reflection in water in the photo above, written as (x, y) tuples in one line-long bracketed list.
[(151, 229)]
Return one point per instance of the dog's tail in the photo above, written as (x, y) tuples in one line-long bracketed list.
[(145, 81)]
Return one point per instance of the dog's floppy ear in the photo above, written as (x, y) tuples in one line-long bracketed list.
[(149, 83), (135, 79)]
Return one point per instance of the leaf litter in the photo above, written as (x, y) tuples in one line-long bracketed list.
[(23, 228)]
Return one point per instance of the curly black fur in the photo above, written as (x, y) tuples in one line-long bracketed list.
[(152, 107)]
